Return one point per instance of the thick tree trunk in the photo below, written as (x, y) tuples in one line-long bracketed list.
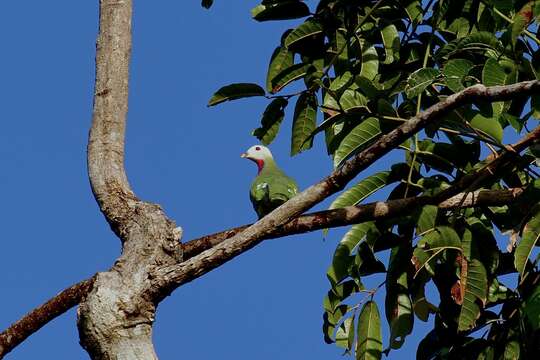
[(115, 319), (109, 330)]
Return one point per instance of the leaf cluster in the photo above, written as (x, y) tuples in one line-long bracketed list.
[(358, 69)]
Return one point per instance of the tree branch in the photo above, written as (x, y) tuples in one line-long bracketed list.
[(107, 134), (115, 319), (68, 298), (494, 164), (196, 246), (350, 215), (170, 277), (37, 318)]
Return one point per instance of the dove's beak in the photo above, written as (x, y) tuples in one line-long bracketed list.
[(243, 155)]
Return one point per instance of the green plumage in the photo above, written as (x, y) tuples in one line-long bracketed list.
[(271, 188)]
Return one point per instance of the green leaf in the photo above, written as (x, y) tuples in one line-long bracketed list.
[(369, 343), (365, 261), (431, 347), (333, 302), (207, 3), (479, 243), (341, 82), (442, 237), (455, 71), (421, 306), (346, 289), (423, 260), (398, 305), (512, 350), (390, 38), (345, 334), (271, 121), (414, 10), (535, 106), (331, 319), (460, 27), (445, 157), (288, 75), (501, 72), (504, 6), (342, 259), (419, 80), (426, 219), (431, 245), (362, 190), (488, 126), (531, 308), (350, 100), (327, 125), (308, 29), (529, 238), (480, 41), (281, 59), (283, 10), (401, 323), (235, 91), (370, 61), (304, 123), (475, 285), (494, 74), (497, 291), (358, 139)]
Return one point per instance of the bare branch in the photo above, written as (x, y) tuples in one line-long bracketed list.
[(106, 141), (37, 318), (357, 214), (170, 277)]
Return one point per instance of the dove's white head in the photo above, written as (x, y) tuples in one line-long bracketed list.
[(259, 154)]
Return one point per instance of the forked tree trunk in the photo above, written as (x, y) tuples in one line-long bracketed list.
[(115, 319)]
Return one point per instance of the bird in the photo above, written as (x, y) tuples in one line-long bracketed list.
[(272, 187)]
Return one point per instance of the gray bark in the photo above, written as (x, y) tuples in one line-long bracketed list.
[(115, 319), (117, 307)]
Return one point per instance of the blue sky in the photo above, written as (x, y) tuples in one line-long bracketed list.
[(267, 303)]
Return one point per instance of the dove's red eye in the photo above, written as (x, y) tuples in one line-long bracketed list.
[(257, 148)]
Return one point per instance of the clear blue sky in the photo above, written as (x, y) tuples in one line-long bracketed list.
[(265, 304)]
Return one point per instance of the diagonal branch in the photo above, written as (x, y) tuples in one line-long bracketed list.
[(350, 215), (68, 298), (170, 277), (493, 165), (37, 318)]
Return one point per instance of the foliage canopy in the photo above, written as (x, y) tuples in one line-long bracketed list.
[(367, 67)]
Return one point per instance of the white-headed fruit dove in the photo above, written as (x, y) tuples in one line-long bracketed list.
[(271, 187)]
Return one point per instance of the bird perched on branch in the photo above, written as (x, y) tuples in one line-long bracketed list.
[(271, 187)]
